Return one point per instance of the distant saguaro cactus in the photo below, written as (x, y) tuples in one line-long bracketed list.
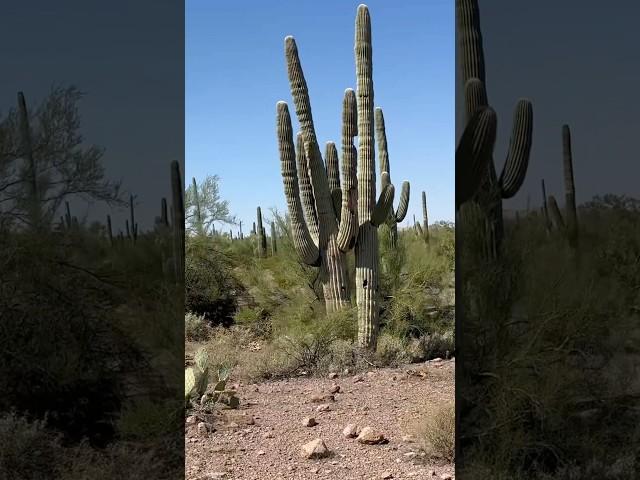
[(33, 201), (261, 248), (109, 230), (134, 225), (545, 209), (323, 239), (569, 186), (164, 217), (177, 193), (274, 244), (491, 189), (425, 218)]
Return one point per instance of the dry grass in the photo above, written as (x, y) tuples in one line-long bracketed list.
[(436, 435)]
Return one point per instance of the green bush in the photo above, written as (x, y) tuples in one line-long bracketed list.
[(196, 327)]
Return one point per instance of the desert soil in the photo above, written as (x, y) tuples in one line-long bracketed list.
[(263, 438)]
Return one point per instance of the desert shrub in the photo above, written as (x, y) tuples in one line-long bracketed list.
[(437, 433), (29, 450), (210, 287), (196, 328), (391, 350)]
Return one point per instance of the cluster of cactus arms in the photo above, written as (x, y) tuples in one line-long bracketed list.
[(569, 224), (329, 219), (395, 216), (261, 247), (474, 163)]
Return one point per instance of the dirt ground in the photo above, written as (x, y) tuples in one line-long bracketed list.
[(263, 438)]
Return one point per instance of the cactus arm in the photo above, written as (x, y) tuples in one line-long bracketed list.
[(333, 172), (177, 191), (385, 201), (555, 213), (336, 197), (324, 205), (348, 227), (302, 239), (403, 206), (381, 138), (515, 167), (306, 189), (473, 153), (569, 184), (468, 19)]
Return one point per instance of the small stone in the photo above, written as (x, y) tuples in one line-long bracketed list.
[(333, 375), (191, 419), (309, 422), (214, 475), (268, 435), (323, 408), (315, 449), (203, 428), (261, 452), (408, 438), (347, 371), (334, 388), (350, 431), (358, 378), (410, 454), (445, 477), (369, 436), (317, 398), (387, 476)]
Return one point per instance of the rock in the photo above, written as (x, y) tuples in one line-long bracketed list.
[(369, 436), (317, 398), (309, 422), (358, 378), (203, 428), (261, 452), (346, 371), (350, 431), (333, 375), (445, 477), (191, 419), (387, 476), (334, 388), (408, 438), (323, 408), (214, 475), (410, 454), (315, 449), (268, 435)]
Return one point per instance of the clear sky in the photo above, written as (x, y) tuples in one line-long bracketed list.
[(236, 72)]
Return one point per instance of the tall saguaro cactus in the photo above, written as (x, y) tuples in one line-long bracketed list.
[(274, 244), (395, 216), (545, 209), (261, 248), (492, 189), (322, 232), (134, 225)]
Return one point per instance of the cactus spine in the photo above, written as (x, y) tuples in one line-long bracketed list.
[(261, 249), (491, 188), (425, 218)]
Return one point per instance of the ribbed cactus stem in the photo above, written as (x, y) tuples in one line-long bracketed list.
[(425, 217), (545, 210), (569, 185), (348, 227), (515, 167), (177, 194), (67, 214), (366, 249), (164, 217), (261, 248), (126, 222)]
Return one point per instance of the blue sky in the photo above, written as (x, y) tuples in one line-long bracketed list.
[(236, 73)]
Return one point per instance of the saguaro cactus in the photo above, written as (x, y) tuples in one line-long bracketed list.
[(274, 245), (34, 206), (109, 230), (395, 216), (134, 225), (177, 192), (492, 189), (164, 217), (261, 248), (569, 186), (322, 239), (425, 218)]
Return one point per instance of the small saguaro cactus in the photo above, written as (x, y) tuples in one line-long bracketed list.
[(253, 229), (545, 209), (164, 217), (322, 233), (134, 225), (274, 245), (34, 205), (395, 216), (569, 186), (425, 218), (491, 189), (240, 234), (109, 230), (261, 248)]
